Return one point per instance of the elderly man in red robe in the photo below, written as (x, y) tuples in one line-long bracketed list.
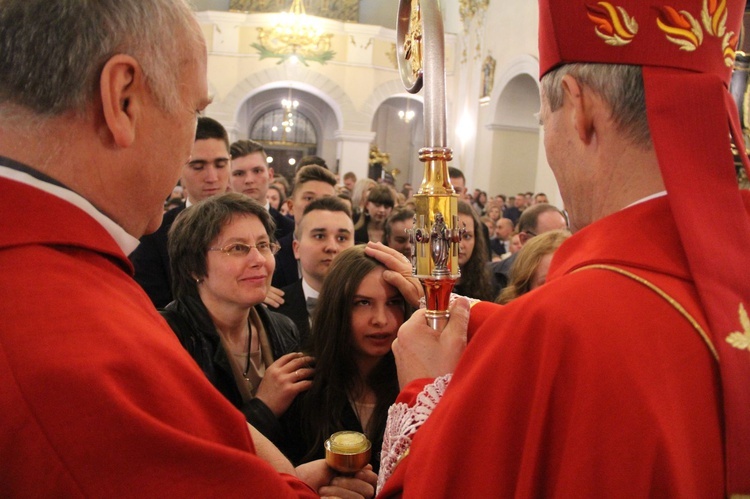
[(628, 373)]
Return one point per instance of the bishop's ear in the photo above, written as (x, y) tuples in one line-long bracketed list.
[(122, 87), (579, 100)]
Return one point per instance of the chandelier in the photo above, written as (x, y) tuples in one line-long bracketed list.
[(289, 105), (289, 114), (295, 37)]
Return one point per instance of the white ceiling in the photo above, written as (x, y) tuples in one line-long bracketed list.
[(375, 12)]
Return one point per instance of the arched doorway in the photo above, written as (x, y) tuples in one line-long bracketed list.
[(310, 130), (398, 124), (515, 137), (287, 135)]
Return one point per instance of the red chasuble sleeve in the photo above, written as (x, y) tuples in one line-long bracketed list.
[(572, 392)]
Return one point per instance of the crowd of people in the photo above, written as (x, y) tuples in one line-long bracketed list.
[(378, 212), (212, 348), (245, 281)]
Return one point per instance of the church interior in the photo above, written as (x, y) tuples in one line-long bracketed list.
[(335, 72)]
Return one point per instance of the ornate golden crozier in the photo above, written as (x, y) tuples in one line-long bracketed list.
[(435, 237)]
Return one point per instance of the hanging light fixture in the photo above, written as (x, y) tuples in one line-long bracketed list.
[(289, 106), (295, 37), (406, 115)]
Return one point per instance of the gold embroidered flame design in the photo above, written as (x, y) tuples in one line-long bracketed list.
[(714, 16), (681, 28), (728, 43), (741, 339), (613, 24)]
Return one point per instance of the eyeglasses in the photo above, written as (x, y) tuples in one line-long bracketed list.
[(265, 248)]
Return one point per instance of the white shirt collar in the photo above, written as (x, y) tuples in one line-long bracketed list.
[(648, 198), (308, 290)]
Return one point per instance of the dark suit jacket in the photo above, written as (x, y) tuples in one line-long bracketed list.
[(151, 261), (498, 247), (487, 239), (513, 214), (295, 307), (501, 271), (284, 224), (287, 270)]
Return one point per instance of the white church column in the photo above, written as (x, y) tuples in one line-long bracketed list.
[(353, 151)]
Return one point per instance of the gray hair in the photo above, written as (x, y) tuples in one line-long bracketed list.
[(621, 87), (52, 53)]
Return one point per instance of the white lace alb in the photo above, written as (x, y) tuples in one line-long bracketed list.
[(403, 422)]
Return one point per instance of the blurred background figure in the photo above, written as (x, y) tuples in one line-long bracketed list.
[(459, 183), (514, 211), (345, 198), (407, 190), (275, 196), (177, 193), (311, 182), (350, 179), (494, 211), (205, 175), (480, 202), (514, 245), (311, 160), (251, 176), (359, 196), (540, 198), (173, 203), (283, 184), (371, 224), (535, 220), (476, 280), (221, 251), (501, 238), (532, 264), (396, 227)]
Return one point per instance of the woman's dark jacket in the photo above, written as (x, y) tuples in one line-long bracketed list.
[(298, 442), (192, 324)]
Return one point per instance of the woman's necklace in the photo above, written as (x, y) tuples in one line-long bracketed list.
[(238, 353), (247, 367), (247, 357)]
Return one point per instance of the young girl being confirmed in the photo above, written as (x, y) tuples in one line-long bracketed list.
[(355, 382)]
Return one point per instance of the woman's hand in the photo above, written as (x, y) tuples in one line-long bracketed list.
[(286, 378), (399, 273), (325, 481), (274, 297)]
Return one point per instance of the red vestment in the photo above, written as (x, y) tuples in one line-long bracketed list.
[(98, 398), (592, 385)]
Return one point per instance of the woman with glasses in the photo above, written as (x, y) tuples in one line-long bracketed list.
[(222, 259)]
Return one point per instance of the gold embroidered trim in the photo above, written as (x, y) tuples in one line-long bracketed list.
[(741, 339), (617, 28), (663, 294)]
